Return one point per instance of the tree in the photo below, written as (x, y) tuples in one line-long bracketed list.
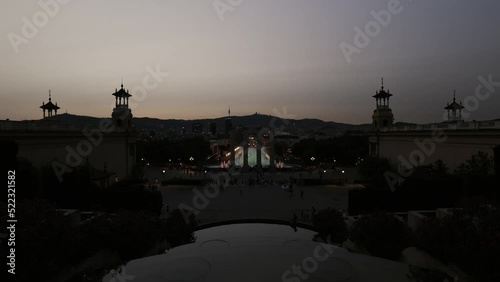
[(478, 165), (439, 167)]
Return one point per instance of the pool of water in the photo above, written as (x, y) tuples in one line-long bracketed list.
[(264, 252)]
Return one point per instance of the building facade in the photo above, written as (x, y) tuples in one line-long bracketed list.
[(108, 148), (452, 141)]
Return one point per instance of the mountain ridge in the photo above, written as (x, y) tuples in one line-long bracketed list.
[(299, 126)]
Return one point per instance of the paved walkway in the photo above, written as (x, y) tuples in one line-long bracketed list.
[(258, 201)]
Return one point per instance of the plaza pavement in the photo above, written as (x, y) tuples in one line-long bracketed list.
[(266, 201)]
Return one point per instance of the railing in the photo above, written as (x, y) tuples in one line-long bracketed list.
[(473, 125), (38, 126)]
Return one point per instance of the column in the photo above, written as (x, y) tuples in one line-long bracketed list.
[(259, 155), (271, 155), (245, 167), (233, 157)]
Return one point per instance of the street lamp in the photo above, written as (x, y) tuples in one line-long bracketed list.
[(312, 159)]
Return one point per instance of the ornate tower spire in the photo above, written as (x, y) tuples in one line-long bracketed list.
[(49, 107), (382, 115), (454, 109), (122, 115)]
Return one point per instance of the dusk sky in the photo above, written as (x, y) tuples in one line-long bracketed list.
[(258, 56)]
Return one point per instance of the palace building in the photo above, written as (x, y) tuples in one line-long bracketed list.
[(109, 149), (453, 141)]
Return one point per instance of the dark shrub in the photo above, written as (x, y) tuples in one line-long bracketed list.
[(132, 196), (46, 240), (448, 238), (330, 225), (381, 234), (180, 227), (469, 238), (131, 234), (372, 171)]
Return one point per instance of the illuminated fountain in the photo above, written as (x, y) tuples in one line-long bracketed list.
[(252, 157)]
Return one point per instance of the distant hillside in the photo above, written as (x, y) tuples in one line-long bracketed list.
[(302, 126)]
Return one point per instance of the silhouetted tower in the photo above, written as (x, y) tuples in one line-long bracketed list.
[(382, 115), (454, 110), (228, 123), (122, 115), (49, 107)]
